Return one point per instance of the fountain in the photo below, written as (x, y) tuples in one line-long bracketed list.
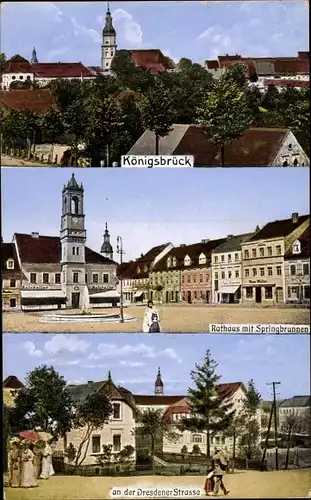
[(86, 316)]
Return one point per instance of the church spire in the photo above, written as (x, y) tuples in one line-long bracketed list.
[(34, 59), (106, 249), (109, 29), (159, 386), (109, 43)]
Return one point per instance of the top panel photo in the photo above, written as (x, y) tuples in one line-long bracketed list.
[(155, 84)]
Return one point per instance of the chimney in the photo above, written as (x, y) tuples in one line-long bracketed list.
[(205, 241), (35, 235), (229, 236), (295, 217), (182, 245), (90, 381)]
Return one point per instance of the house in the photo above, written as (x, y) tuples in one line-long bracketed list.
[(184, 274), (227, 270), (119, 432), (36, 100), (61, 271), (11, 278), (264, 147), (11, 385), (296, 409), (297, 270), (263, 277), (135, 276)]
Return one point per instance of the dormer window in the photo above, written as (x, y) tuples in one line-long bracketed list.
[(145, 269), (187, 261), (10, 264), (202, 259), (169, 262), (138, 270), (296, 247), (174, 262)]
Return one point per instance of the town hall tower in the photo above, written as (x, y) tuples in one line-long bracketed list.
[(109, 45)]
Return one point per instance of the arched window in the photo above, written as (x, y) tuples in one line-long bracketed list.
[(285, 163), (197, 438), (202, 259), (10, 264), (169, 261), (174, 262), (296, 247), (75, 205), (295, 163), (65, 204), (187, 261)]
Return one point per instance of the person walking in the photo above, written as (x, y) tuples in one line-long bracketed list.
[(28, 476), (15, 463), (151, 322), (220, 464)]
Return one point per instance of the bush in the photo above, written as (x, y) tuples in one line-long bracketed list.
[(184, 450), (196, 450)]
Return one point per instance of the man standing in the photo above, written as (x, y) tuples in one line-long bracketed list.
[(220, 465)]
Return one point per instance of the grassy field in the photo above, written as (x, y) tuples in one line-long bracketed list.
[(174, 319), (248, 484)]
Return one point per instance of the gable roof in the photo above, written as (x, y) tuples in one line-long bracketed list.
[(305, 247), (61, 70), (12, 382), (232, 244), (256, 147), (296, 401), (193, 251), (47, 250), (279, 228), (131, 271), (81, 391), (8, 251), (35, 100)]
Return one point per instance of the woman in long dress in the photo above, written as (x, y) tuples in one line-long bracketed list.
[(47, 467), (28, 476), (37, 460), (15, 463), (151, 322)]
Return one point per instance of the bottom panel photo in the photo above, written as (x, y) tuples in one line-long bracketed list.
[(100, 416)]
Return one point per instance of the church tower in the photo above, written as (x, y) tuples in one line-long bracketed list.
[(159, 386), (34, 59), (109, 45), (106, 249), (73, 238)]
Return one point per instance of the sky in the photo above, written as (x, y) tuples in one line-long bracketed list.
[(134, 360), (150, 207), (198, 30)]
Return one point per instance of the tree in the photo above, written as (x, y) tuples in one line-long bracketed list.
[(248, 421), (294, 424), (154, 425), (75, 124), (92, 413), (209, 413), (157, 111), (224, 114), (184, 64), (43, 404), (2, 62), (237, 74), (52, 126), (70, 453)]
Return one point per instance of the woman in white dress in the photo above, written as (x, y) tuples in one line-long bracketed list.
[(28, 477), (151, 322), (47, 467)]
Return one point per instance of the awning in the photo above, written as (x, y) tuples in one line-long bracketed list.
[(110, 294), (41, 294), (138, 294), (229, 289)]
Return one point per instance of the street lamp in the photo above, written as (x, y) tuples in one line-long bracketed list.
[(121, 252)]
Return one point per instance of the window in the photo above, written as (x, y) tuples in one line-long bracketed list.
[(195, 294), (254, 253), (76, 277), (95, 444), (223, 275), (187, 261), (249, 292), (105, 278), (216, 259), (194, 278), (197, 438), (33, 278), (254, 271), (73, 250), (45, 278), (229, 257), (189, 278), (268, 292), (261, 252), (116, 440), (269, 251), (246, 254), (169, 261), (278, 249), (270, 273), (236, 256), (292, 269), (216, 276), (12, 283), (278, 270), (116, 410), (262, 271), (229, 274), (296, 247), (202, 259), (174, 262), (222, 258), (85, 277), (95, 278), (138, 270), (78, 250), (10, 264), (285, 163), (305, 268), (237, 274), (183, 279), (12, 302), (57, 277), (201, 278), (246, 273), (307, 292)]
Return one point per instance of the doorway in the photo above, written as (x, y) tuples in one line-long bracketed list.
[(75, 300), (279, 295), (258, 294), (207, 296), (176, 297), (189, 297)]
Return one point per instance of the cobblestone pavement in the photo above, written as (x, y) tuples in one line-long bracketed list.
[(179, 318), (242, 484)]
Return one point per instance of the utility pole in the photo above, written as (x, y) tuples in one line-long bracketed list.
[(275, 425), (121, 252)]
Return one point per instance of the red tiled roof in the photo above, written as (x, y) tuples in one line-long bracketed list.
[(151, 59), (12, 382), (47, 249), (8, 252), (61, 70), (156, 400), (18, 65), (286, 83), (36, 100), (279, 228)]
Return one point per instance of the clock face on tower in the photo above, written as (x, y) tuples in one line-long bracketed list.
[(75, 221)]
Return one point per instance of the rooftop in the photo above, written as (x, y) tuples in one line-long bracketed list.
[(279, 228), (36, 100), (296, 401), (233, 243), (8, 251)]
